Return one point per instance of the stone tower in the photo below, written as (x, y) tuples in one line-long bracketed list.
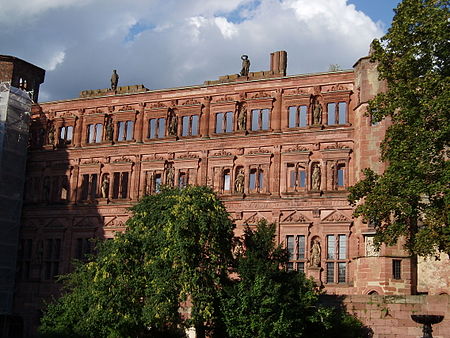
[(19, 87)]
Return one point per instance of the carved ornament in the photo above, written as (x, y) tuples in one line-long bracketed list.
[(336, 217), (258, 151), (222, 153), (122, 159), (295, 217), (296, 148), (158, 105), (187, 156), (261, 95)]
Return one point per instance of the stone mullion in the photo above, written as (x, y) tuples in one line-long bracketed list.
[(136, 174), (138, 126), (205, 121), (275, 116), (78, 132)]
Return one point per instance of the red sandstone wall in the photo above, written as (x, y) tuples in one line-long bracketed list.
[(390, 316)]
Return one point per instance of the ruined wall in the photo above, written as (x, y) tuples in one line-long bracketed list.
[(390, 316)]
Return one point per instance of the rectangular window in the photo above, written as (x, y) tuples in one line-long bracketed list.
[(396, 269), (336, 256), (185, 126), (252, 179), (121, 128), (66, 134), (194, 127), (340, 176), (292, 117), (261, 179), (158, 182), (229, 122), (24, 259), (98, 132), (91, 133), (302, 182), (83, 248), (331, 113), (342, 247), (120, 185), (129, 130), (255, 119), (52, 252), (227, 181), (301, 247), (293, 179), (331, 247), (295, 245), (152, 128), (303, 116), (125, 130), (85, 187), (265, 119), (342, 113), (219, 123), (342, 270), (182, 180), (93, 186), (330, 272), (189, 125), (161, 127)]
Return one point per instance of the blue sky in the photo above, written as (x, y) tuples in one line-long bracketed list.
[(171, 43), (382, 10)]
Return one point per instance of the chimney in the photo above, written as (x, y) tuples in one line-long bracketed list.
[(278, 62)]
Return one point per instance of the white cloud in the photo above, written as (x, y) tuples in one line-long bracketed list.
[(55, 60), (227, 29), (190, 41)]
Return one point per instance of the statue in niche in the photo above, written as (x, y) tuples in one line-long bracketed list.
[(317, 113), (239, 181), (51, 133), (109, 129), (316, 177), (314, 261), (105, 186), (242, 117), (170, 175), (245, 65), (172, 123), (114, 80)]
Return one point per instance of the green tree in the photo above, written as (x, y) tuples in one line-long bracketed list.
[(176, 250), (411, 198), (268, 301)]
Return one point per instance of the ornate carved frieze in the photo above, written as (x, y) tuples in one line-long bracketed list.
[(293, 217), (336, 217)]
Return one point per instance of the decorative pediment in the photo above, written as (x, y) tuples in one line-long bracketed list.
[(86, 221), (294, 217), (336, 217), (158, 105), (254, 218), (261, 95), (115, 221), (56, 223), (259, 151), (221, 153)]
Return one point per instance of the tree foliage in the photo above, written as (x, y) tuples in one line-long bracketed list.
[(411, 198), (177, 254), (268, 301), (176, 249)]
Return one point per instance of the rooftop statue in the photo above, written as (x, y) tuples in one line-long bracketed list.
[(245, 65), (114, 80)]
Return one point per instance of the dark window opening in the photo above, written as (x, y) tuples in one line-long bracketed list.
[(396, 269)]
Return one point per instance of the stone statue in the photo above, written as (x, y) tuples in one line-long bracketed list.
[(114, 80), (105, 186), (242, 117), (109, 129), (170, 175), (316, 177), (245, 65), (51, 134), (172, 123), (317, 113), (239, 181), (315, 254)]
